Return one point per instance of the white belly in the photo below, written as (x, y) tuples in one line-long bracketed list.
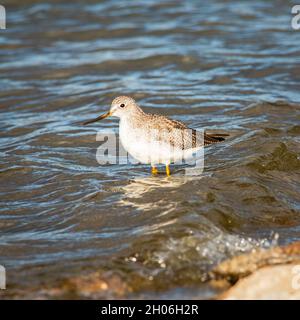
[(146, 149)]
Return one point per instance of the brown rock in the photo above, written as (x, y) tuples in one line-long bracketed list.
[(246, 264), (273, 282)]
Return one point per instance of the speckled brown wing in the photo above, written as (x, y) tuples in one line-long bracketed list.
[(177, 134)]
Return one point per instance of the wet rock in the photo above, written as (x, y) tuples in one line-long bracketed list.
[(96, 285), (243, 265), (262, 274), (273, 282)]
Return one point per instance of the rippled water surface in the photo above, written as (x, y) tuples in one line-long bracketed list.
[(219, 65)]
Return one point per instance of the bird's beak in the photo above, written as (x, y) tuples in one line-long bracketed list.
[(103, 116)]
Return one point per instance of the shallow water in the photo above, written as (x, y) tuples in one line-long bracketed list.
[(226, 66)]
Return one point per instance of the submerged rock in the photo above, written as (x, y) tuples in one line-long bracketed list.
[(95, 285), (262, 274)]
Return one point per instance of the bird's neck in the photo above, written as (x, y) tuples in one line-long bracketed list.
[(138, 111)]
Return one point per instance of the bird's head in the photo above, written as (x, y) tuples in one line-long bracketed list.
[(120, 107)]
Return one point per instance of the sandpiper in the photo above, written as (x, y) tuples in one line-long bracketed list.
[(155, 139)]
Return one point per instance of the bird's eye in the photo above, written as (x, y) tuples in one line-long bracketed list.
[(122, 105)]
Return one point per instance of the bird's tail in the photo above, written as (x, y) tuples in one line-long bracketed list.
[(214, 138)]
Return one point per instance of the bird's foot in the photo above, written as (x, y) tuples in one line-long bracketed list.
[(154, 170), (168, 172)]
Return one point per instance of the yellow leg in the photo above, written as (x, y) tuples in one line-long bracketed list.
[(168, 170), (154, 170)]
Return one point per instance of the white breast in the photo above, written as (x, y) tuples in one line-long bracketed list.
[(135, 142)]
